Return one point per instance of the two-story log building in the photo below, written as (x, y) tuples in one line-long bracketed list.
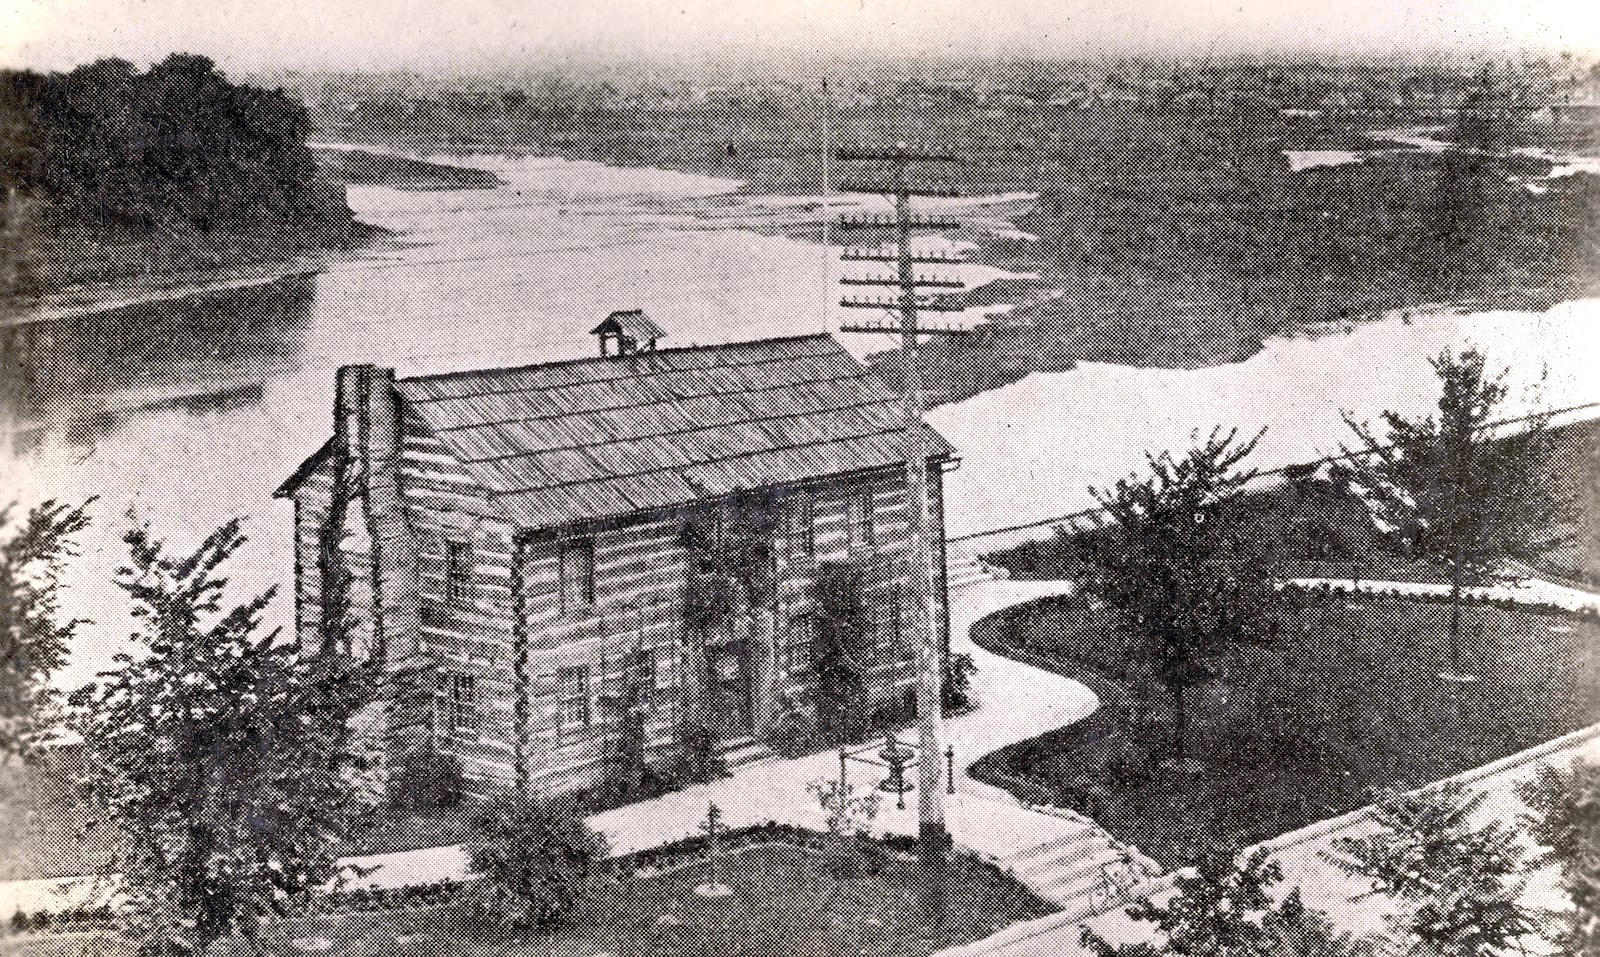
[(515, 537)]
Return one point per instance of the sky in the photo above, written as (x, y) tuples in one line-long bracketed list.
[(448, 35)]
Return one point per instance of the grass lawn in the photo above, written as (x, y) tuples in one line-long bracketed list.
[(1347, 700), (784, 905)]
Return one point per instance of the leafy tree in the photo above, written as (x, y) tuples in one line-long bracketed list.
[(1228, 908), (1178, 564), (1456, 495), (535, 858), (1566, 820), (1459, 884), (224, 758), (33, 635)]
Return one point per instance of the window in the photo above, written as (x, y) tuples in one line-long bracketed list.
[(459, 699), (572, 698), (666, 675), (646, 675), (577, 575), (457, 574), (863, 536), (802, 530)]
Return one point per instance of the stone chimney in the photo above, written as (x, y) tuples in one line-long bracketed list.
[(384, 584)]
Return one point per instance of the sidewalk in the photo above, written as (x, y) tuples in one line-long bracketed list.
[(1015, 702), (1531, 591), (1323, 885)]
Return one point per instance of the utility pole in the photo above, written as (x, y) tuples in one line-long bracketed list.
[(924, 612)]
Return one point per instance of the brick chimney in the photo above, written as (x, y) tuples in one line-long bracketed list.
[(384, 585)]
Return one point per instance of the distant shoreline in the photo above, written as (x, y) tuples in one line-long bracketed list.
[(81, 300)]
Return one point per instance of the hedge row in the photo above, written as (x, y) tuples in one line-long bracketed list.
[(437, 893)]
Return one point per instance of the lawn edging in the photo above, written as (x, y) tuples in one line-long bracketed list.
[(1028, 930)]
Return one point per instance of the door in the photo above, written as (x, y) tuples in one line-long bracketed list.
[(731, 688)]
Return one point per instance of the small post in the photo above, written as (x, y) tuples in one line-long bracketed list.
[(950, 768), (713, 828)]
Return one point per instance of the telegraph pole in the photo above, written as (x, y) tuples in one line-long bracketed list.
[(903, 319)]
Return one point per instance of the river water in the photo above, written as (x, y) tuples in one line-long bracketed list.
[(185, 413)]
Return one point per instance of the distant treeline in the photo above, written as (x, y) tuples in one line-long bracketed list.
[(104, 160), (177, 142)]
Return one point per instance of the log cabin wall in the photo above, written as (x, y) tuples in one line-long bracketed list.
[(506, 477)]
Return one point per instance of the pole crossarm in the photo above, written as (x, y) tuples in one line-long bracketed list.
[(871, 221), (930, 282), (889, 189), (891, 326), (896, 303), (872, 256)]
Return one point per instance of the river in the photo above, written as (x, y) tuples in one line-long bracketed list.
[(197, 408)]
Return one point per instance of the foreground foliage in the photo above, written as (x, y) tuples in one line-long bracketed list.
[(535, 858), (1458, 884), (221, 758), (1566, 820), (1229, 908), (33, 634)]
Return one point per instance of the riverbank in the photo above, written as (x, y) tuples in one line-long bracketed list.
[(244, 262)]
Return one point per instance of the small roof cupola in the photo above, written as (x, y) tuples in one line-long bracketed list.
[(630, 330)]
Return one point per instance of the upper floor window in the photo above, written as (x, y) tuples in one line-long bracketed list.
[(459, 698), (577, 575), (457, 574), (863, 532)]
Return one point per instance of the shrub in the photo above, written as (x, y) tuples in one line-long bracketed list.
[(426, 781), (535, 859), (21, 922), (958, 671)]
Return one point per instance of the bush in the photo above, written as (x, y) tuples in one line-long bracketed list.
[(426, 781), (535, 858), (21, 922), (958, 671)]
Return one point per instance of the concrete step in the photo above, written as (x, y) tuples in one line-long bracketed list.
[(1077, 838), (736, 752)]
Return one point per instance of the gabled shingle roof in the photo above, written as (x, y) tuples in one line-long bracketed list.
[(632, 323), (601, 437)]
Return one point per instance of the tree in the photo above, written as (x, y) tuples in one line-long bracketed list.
[(534, 858), (1227, 908), (1566, 820), (1459, 884), (1455, 494), (223, 758), (1178, 564), (848, 815), (33, 636)]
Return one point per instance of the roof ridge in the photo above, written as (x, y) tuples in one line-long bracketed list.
[(640, 405), (462, 373)]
